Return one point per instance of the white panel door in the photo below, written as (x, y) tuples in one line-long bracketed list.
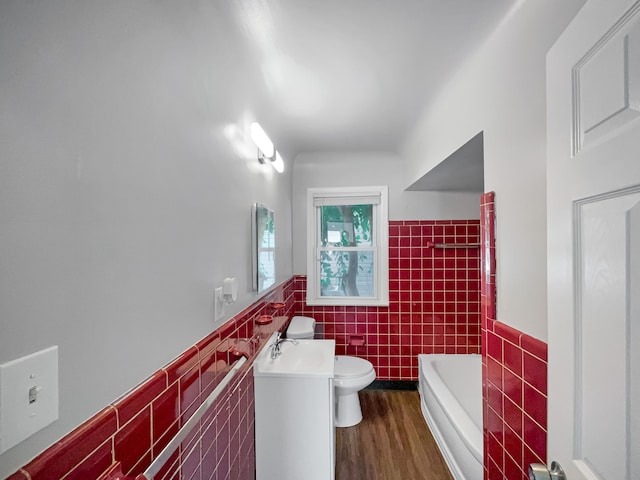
[(593, 122)]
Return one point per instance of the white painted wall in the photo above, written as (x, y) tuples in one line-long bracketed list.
[(361, 169), (501, 91), (126, 180), (126, 184)]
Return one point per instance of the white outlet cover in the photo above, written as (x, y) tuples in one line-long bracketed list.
[(218, 304), (22, 415)]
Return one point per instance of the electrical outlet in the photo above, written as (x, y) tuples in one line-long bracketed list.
[(218, 304)]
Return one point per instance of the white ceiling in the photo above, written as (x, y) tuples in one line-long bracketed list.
[(353, 75)]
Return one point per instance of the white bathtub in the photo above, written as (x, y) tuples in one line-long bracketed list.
[(451, 400)]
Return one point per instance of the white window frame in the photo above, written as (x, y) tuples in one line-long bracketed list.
[(377, 196)]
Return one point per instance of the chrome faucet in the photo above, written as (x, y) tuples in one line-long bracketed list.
[(276, 346)]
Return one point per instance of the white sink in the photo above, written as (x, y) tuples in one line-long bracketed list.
[(304, 358)]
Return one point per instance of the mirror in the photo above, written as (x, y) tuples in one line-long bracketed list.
[(264, 247)]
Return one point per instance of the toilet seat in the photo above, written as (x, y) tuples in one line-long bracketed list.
[(351, 367)]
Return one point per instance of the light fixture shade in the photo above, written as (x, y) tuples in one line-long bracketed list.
[(278, 163), (262, 140)]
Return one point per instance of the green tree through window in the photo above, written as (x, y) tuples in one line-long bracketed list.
[(346, 226), (347, 229)]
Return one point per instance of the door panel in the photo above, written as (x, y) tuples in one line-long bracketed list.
[(605, 234), (634, 344), (593, 198), (607, 84)]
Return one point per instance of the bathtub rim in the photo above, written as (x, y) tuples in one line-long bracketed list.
[(466, 429), (443, 446)]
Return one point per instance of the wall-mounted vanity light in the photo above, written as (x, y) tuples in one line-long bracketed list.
[(266, 151)]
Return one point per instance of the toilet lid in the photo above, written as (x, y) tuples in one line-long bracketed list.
[(350, 367)]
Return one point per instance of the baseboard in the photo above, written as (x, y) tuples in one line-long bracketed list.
[(393, 385)]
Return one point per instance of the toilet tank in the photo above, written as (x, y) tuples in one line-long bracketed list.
[(301, 327)]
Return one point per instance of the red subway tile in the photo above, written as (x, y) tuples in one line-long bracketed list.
[(171, 468), (513, 416), (494, 424), (165, 412), (535, 372), (513, 358), (19, 475), (209, 424), (133, 441), (191, 464), (130, 404), (508, 333), (189, 400), (227, 329), (531, 457), (512, 385), (93, 465), (222, 450), (182, 365), (487, 198), (209, 458), (494, 346), (513, 444), (234, 441), (534, 436), (495, 449), (494, 398), (207, 349), (493, 471), (534, 346), (512, 468), (61, 458), (494, 372), (142, 465), (535, 405), (490, 324)]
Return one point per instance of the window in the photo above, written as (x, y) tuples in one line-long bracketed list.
[(347, 252), (264, 247)]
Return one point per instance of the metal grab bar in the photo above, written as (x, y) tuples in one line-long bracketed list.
[(456, 245), (453, 245), (175, 442)]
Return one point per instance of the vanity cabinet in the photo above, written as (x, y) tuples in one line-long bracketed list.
[(294, 421)]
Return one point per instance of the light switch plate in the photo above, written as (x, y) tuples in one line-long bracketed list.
[(28, 396)]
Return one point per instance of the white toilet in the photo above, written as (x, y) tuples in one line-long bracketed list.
[(352, 374)]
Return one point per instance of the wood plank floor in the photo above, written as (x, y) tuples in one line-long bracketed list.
[(392, 441)]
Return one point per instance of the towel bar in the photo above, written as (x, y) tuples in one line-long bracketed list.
[(175, 442)]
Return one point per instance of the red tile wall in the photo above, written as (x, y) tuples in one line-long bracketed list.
[(434, 308), (128, 434), (514, 369), (434, 302), (515, 395)]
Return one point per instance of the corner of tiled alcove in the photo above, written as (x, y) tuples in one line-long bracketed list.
[(487, 310), (514, 376)]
